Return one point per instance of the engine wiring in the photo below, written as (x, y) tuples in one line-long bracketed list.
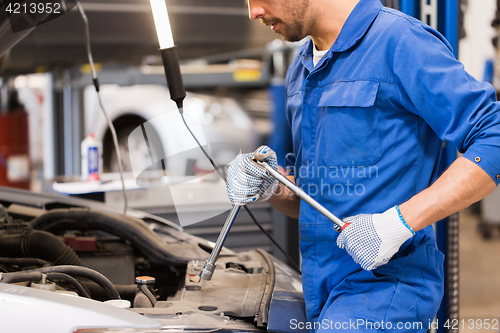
[(108, 120), (219, 170)]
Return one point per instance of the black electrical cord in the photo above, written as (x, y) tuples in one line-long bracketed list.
[(108, 120), (221, 174), (219, 170), (214, 165)]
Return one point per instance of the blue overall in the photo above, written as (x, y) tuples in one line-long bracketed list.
[(368, 123)]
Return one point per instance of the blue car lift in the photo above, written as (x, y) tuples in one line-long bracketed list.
[(447, 230)]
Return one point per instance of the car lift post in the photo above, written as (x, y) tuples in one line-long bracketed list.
[(447, 229)]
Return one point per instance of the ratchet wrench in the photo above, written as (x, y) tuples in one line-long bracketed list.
[(210, 265), (300, 193)]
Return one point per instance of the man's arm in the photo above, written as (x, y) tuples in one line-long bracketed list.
[(372, 239), (463, 184), (286, 201), (459, 109)]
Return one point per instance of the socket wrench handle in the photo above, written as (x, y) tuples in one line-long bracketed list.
[(209, 267), (303, 195)]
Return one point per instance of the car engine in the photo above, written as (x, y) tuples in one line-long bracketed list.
[(87, 253), (138, 263)]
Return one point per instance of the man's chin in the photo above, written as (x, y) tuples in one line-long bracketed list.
[(291, 39)]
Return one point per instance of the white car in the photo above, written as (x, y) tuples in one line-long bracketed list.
[(218, 122), (72, 265)]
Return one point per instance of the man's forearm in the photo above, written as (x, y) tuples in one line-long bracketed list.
[(286, 201), (463, 184)]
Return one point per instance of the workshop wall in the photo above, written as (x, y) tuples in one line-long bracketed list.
[(476, 48)]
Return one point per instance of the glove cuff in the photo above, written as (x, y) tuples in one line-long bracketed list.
[(403, 220), (392, 226)]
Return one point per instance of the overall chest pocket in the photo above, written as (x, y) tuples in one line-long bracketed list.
[(348, 124)]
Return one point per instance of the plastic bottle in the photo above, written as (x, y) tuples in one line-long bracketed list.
[(91, 158)]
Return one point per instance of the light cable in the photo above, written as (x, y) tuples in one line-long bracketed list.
[(222, 175), (108, 120)]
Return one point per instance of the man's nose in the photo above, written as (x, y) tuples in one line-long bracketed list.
[(255, 10)]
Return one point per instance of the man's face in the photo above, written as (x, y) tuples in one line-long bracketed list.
[(285, 17)]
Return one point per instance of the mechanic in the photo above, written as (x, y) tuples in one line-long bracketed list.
[(370, 97)]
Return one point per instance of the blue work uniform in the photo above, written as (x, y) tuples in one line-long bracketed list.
[(368, 123)]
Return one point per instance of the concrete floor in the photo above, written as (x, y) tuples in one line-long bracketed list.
[(479, 276)]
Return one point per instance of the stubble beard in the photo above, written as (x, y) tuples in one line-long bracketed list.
[(292, 32)]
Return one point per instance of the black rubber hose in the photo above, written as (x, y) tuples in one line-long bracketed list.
[(141, 301), (21, 277), (23, 262), (38, 244), (47, 246), (128, 228), (84, 272), (149, 294), (69, 280), (37, 276), (126, 291)]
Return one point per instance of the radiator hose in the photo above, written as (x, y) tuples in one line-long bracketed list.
[(128, 228), (37, 244)]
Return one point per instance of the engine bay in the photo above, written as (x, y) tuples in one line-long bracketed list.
[(150, 267)]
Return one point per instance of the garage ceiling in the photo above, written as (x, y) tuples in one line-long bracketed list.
[(123, 31)]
